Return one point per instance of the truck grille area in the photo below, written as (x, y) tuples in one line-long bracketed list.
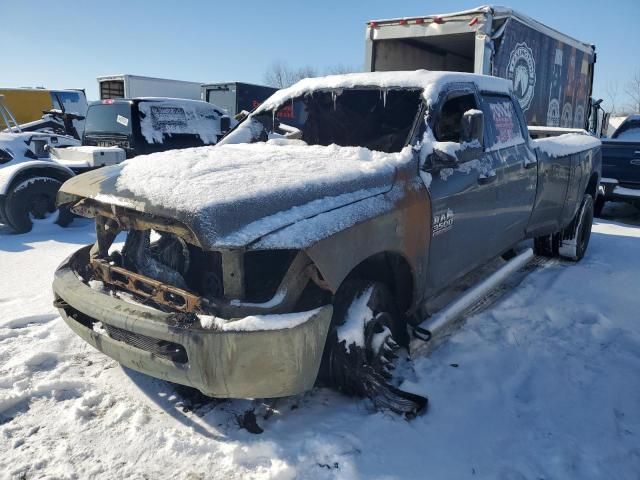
[(160, 348), (171, 351)]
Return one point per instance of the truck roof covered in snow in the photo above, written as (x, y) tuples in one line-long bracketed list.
[(430, 82)]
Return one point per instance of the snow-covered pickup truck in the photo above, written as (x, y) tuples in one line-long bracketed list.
[(621, 165), (304, 252)]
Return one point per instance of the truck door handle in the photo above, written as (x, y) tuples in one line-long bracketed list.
[(488, 178)]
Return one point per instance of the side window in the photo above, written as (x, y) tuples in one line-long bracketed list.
[(447, 127), (502, 121)]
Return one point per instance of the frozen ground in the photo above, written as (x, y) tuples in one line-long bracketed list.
[(543, 385)]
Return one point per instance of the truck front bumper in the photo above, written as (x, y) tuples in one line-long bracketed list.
[(226, 364)]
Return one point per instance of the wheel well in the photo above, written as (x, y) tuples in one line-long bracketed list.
[(392, 269), (592, 186), (56, 173)]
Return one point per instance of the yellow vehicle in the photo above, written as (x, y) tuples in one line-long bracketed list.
[(28, 104)]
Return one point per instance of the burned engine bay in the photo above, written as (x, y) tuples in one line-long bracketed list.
[(161, 265)]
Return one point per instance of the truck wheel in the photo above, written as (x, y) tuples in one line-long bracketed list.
[(35, 196), (598, 206), (575, 237), (361, 363)]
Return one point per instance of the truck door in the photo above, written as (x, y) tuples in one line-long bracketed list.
[(516, 169), (463, 197)]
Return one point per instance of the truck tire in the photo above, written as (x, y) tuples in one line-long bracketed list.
[(365, 368), (575, 237), (34, 196)]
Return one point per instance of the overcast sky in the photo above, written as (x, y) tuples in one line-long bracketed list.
[(68, 44)]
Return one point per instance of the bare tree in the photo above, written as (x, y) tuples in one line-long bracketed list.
[(280, 75), (632, 90), (612, 91)]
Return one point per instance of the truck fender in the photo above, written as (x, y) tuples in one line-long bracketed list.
[(403, 233), (35, 167)]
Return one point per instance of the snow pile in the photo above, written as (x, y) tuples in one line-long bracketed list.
[(176, 116), (541, 385), (257, 322), (566, 144), (430, 82)]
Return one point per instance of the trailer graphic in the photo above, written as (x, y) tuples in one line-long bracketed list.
[(551, 72)]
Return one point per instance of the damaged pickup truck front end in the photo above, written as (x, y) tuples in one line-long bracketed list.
[(285, 256), (162, 307)]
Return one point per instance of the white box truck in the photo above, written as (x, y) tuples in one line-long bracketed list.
[(134, 86), (552, 73)]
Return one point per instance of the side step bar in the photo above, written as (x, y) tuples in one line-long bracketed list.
[(437, 324)]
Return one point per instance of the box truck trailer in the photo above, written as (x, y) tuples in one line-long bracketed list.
[(235, 97), (552, 73), (134, 86)]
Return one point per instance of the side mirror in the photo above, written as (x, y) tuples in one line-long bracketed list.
[(472, 127)]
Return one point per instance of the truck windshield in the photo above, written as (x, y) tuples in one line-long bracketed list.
[(371, 118), (109, 118)]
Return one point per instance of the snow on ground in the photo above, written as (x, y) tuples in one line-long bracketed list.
[(544, 384)]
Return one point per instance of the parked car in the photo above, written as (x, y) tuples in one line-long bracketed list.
[(621, 165), (299, 253)]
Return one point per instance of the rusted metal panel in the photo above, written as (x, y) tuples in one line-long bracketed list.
[(149, 288), (405, 230)]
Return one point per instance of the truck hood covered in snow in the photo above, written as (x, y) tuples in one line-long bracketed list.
[(232, 195)]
